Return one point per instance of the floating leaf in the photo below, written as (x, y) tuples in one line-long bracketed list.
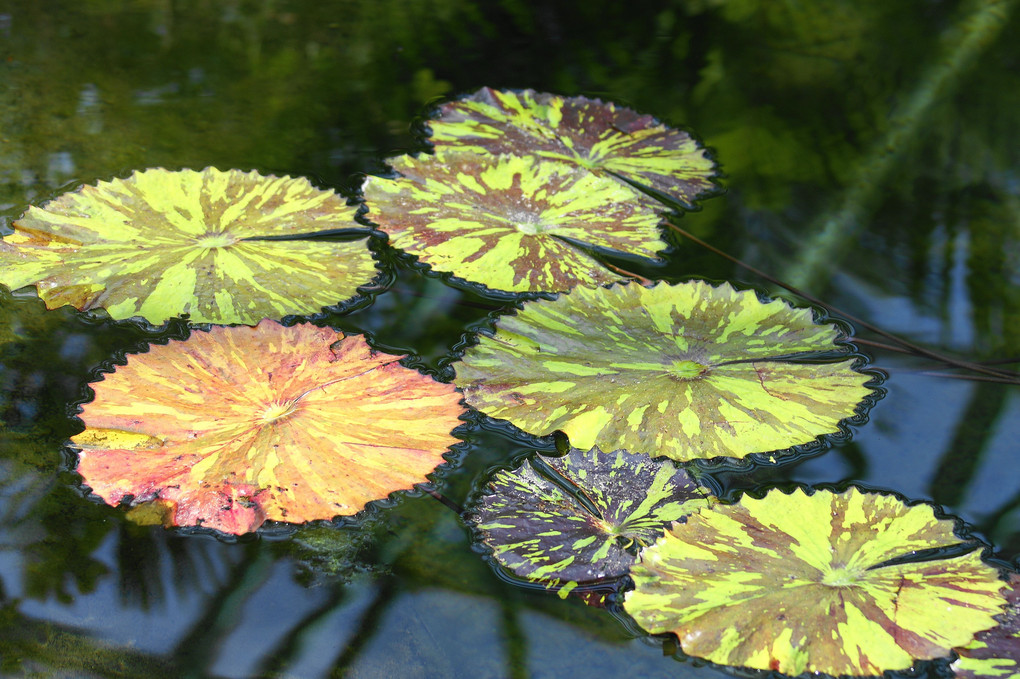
[(583, 526), (239, 425), (689, 371), (808, 583), (510, 222), (995, 652), (160, 244), (593, 134)]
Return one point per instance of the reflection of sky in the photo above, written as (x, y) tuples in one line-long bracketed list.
[(424, 632), (910, 430), (102, 612), (903, 440), (212, 103)]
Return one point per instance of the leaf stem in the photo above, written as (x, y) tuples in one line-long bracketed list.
[(445, 501), (1008, 375)]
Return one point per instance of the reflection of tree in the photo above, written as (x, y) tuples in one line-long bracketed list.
[(32, 647), (791, 97)]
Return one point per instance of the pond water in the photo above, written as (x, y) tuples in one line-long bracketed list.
[(869, 157)]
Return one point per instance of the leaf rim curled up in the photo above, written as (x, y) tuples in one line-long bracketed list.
[(864, 611), (611, 367), (159, 244), (600, 500), (310, 430), (509, 223)]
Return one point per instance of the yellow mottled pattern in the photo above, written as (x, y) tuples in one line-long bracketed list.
[(540, 532), (501, 221), (161, 244), (689, 371), (598, 136), (238, 425), (789, 583), (995, 653)]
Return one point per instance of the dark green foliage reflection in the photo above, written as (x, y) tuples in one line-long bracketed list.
[(816, 113)]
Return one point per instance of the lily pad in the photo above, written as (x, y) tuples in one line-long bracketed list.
[(238, 425), (688, 371), (813, 583), (160, 244), (596, 135), (583, 521), (995, 652), (511, 223)]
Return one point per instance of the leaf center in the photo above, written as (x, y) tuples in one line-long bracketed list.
[(527, 223), (841, 576), (212, 240), (687, 370), (277, 411)]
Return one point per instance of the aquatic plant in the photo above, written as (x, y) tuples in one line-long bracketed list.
[(814, 582), (235, 426), (512, 223), (526, 193), (690, 371), (207, 244), (602, 137), (581, 518), (995, 652)]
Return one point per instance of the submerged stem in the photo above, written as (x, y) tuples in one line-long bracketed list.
[(1006, 375)]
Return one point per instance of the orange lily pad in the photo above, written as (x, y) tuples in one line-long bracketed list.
[(238, 425)]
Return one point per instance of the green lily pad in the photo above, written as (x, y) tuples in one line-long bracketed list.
[(596, 135), (160, 244), (511, 223), (688, 371), (813, 583), (995, 653), (581, 522)]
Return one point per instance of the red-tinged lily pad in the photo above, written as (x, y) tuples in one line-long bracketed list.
[(580, 518), (688, 371), (239, 425), (511, 223), (160, 244), (596, 135), (995, 653), (814, 583)]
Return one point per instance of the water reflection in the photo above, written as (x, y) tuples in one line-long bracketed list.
[(791, 96)]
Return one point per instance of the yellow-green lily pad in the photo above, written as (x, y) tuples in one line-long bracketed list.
[(512, 223), (160, 244), (688, 371), (995, 653), (599, 136), (814, 583)]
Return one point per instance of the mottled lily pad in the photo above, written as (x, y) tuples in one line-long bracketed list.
[(160, 244), (583, 521), (688, 371), (511, 223), (995, 653), (596, 135), (813, 583), (238, 425)]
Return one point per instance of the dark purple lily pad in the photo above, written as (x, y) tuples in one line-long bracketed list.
[(584, 527)]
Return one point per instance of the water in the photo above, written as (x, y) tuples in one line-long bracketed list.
[(892, 122)]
